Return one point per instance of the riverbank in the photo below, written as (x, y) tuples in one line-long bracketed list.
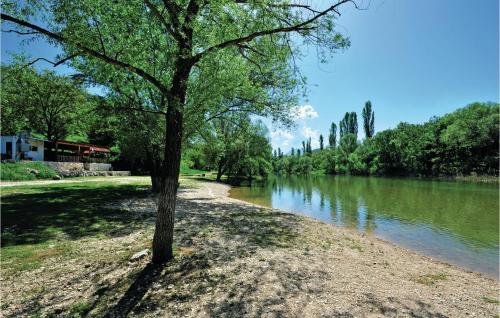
[(233, 259)]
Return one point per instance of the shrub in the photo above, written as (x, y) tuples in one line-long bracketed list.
[(20, 171)]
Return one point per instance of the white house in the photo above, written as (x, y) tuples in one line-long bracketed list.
[(22, 147)]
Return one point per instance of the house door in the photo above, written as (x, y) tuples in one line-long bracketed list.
[(8, 150)]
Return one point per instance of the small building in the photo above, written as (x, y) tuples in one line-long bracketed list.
[(24, 147), (21, 147)]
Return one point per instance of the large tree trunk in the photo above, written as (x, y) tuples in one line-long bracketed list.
[(156, 174), (219, 173), (164, 230), (153, 162), (155, 182)]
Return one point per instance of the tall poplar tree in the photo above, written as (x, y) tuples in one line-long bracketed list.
[(368, 120), (332, 138)]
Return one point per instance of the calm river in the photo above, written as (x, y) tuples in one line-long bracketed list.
[(453, 221)]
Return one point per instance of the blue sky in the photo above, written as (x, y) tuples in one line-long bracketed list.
[(412, 59)]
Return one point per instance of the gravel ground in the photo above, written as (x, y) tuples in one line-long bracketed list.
[(235, 259)]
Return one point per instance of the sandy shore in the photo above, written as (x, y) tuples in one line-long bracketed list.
[(235, 259)]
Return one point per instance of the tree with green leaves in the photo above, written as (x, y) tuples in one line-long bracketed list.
[(349, 124), (172, 47), (344, 126), (238, 148), (51, 105), (332, 137), (368, 120), (353, 124), (293, 151), (320, 142)]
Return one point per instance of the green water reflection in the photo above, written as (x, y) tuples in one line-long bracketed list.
[(453, 221)]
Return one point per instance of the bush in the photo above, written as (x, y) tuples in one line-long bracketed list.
[(187, 170), (20, 171)]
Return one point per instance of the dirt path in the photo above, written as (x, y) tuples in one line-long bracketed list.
[(235, 259), (73, 180)]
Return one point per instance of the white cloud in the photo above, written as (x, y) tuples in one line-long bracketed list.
[(281, 138), (284, 139), (308, 132), (304, 112)]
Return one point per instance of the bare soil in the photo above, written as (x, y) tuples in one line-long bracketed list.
[(234, 259)]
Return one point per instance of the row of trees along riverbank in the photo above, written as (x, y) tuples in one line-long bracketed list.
[(461, 143)]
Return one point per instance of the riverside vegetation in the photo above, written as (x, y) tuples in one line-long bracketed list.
[(461, 143)]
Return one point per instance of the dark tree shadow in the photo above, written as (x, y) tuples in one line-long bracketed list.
[(247, 228), (136, 291), (75, 210), (208, 235)]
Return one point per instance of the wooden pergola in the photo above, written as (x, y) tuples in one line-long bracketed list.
[(68, 151)]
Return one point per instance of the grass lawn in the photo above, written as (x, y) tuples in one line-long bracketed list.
[(19, 171), (39, 222)]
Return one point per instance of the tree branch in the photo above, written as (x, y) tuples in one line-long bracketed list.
[(302, 26), (173, 11), (20, 32), (162, 20), (88, 51)]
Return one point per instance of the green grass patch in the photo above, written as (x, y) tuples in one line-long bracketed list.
[(430, 279), (20, 171), (29, 257), (80, 309), (356, 246), (185, 170), (39, 222), (490, 300)]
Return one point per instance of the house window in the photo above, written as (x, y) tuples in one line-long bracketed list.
[(8, 151), (33, 148)]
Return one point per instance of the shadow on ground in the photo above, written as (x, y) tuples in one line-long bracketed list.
[(214, 273), (211, 276), (74, 210)]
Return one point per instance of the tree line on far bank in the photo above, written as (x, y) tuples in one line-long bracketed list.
[(461, 143), (464, 142)]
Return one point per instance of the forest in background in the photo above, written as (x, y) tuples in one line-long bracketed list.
[(237, 146), (462, 143)]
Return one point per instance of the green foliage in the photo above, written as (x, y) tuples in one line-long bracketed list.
[(20, 171), (368, 120), (462, 143), (187, 170), (80, 309), (52, 105), (349, 124), (238, 148), (332, 137), (330, 161)]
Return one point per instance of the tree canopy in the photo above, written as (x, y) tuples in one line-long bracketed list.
[(48, 104), (460, 143), (175, 49)]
